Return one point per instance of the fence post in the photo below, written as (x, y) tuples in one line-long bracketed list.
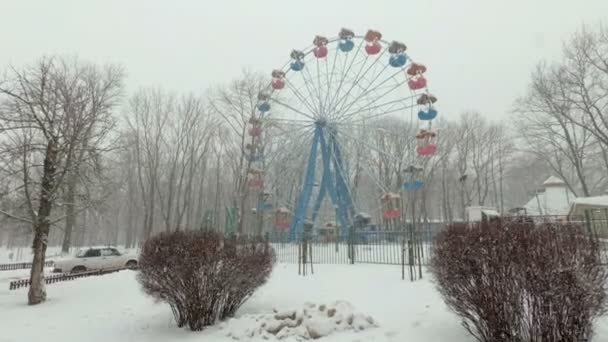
[(410, 255), (306, 250), (304, 253), (312, 270), (232, 249), (588, 224), (402, 257), (299, 243), (351, 244)]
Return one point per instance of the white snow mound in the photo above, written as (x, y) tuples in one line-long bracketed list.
[(311, 322)]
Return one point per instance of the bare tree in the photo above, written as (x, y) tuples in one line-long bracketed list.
[(583, 80), (87, 173), (546, 130), (563, 117), (186, 143), (236, 104), (148, 112), (49, 111)]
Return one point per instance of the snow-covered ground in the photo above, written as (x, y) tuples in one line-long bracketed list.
[(113, 308)]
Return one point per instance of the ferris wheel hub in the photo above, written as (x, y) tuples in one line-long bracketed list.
[(321, 122)]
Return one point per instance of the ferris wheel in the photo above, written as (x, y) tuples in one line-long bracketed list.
[(321, 95)]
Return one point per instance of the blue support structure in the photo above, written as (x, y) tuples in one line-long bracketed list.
[(297, 224), (333, 182), (326, 181), (344, 200)]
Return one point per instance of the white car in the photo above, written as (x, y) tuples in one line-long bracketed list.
[(94, 259)]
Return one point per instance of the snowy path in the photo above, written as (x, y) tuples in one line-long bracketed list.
[(113, 308)]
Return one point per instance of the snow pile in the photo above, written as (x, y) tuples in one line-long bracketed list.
[(311, 322)]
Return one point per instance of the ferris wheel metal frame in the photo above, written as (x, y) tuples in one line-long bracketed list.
[(326, 122)]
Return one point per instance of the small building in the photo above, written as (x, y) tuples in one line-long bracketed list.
[(596, 207), (552, 199), (480, 213)]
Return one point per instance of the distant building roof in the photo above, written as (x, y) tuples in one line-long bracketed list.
[(581, 204), (553, 181), (597, 201), (490, 212)]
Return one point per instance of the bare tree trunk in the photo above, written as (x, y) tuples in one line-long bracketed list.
[(216, 206), (37, 291), (130, 225), (70, 217), (115, 229), (83, 231), (501, 180), (241, 212), (494, 184), (150, 215), (444, 195), (132, 211)]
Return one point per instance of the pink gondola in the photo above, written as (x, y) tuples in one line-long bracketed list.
[(282, 219), (320, 52), (256, 179), (427, 150), (391, 214), (255, 131), (256, 183), (278, 79), (391, 204), (373, 48), (373, 42), (417, 83), (278, 84)]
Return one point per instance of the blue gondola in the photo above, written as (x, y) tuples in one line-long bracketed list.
[(428, 115), (397, 60), (346, 45), (265, 206), (264, 107), (297, 65), (413, 185), (255, 157)]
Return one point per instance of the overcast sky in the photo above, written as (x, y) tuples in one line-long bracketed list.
[(479, 53)]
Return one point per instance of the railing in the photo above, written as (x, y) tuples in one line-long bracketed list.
[(398, 247), (367, 247), (55, 278), (21, 266)]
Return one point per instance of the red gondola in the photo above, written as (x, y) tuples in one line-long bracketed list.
[(391, 206), (282, 219)]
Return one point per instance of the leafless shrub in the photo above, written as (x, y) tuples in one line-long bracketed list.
[(516, 281), (201, 275)]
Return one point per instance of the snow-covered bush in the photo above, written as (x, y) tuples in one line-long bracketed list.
[(201, 275), (517, 281)]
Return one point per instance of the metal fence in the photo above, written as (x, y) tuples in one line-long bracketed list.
[(21, 266), (369, 247), (400, 247), (56, 278), (599, 229), (593, 225)]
